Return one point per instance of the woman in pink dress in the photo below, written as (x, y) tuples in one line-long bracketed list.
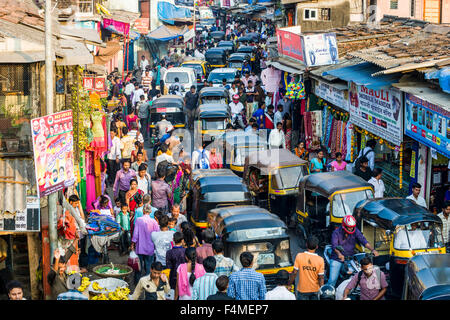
[(338, 164), (132, 117), (215, 159)]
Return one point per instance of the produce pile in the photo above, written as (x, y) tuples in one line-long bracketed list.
[(120, 293)]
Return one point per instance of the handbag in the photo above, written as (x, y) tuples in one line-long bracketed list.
[(133, 261)]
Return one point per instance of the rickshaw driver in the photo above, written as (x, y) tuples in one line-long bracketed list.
[(347, 235), (416, 238), (258, 183), (340, 208)]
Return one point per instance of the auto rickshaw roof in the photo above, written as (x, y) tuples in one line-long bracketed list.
[(267, 160), (169, 100), (200, 173), (242, 138), (225, 43), (238, 56), (433, 274), (213, 91), (388, 213), (247, 38), (221, 184), (327, 183), (216, 50), (214, 110), (217, 33), (200, 62), (246, 49)]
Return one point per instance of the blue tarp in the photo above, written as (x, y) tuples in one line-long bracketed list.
[(166, 33), (361, 75), (167, 12), (444, 78)]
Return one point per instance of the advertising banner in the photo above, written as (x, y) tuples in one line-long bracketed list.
[(289, 44), (142, 25), (377, 111), (332, 94), (427, 123), (53, 152), (320, 49), (88, 83)]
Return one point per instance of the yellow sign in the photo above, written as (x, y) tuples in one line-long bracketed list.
[(412, 173)]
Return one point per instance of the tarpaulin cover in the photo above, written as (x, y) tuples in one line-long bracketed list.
[(168, 12), (361, 74), (166, 33), (104, 55), (444, 78)]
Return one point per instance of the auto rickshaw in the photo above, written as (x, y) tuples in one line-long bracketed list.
[(273, 176), (251, 50), (236, 60), (173, 107), (399, 229), (254, 229), (201, 68), (212, 189), (213, 95), (216, 57), (228, 45), (212, 120), (237, 145), (427, 277), (324, 199), (218, 35)]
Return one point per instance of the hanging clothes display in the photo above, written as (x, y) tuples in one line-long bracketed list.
[(99, 143), (90, 180), (313, 129)]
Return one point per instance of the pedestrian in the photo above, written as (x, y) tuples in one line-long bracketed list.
[(363, 170), (164, 156), (139, 159), (200, 157), (259, 115), (15, 290), (143, 114), (57, 275), (190, 239), (123, 219), (186, 274), (224, 266), (444, 215), (318, 164), (268, 117), (153, 92), (215, 159), (144, 180), (369, 153), (225, 84), (155, 286), (233, 90), (174, 257), (133, 195), (287, 129), (278, 117), (135, 134), (415, 195), (222, 287), (247, 284), (277, 139), (161, 192), (113, 157), (175, 213), (146, 79), (162, 240), (190, 102), (371, 280), (138, 92), (205, 285), (126, 145), (378, 184), (117, 207), (139, 212), (73, 282), (281, 291), (205, 250), (245, 78), (144, 63), (338, 164), (311, 268)]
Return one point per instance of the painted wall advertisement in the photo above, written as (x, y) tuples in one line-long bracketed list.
[(427, 123), (332, 94), (377, 111), (320, 49), (53, 152), (289, 44), (27, 220)]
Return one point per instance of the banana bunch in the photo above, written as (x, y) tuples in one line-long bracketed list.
[(99, 297), (84, 284), (121, 293), (96, 286)]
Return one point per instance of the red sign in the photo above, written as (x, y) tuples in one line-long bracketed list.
[(88, 83), (103, 94), (142, 25), (99, 84), (290, 44)]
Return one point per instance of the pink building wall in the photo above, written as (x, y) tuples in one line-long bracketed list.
[(404, 9)]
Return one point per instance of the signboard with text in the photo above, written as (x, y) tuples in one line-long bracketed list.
[(27, 220), (332, 94), (320, 49), (142, 25), (289, 44)]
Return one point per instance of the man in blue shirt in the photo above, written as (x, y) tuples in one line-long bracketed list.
[(259, 115), (247, 284)]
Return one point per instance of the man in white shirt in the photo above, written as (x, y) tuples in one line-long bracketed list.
[(129, 88), (233, 90), (369, 153), (278, 117), (199, 55), (135, 134), (444, 215), (281, 291), (163, 156), (137, 94), (415, 236), (415, 196), (378, 184), (144, 63), (113, 157), (236, 109), (197, 156), (276, 138)]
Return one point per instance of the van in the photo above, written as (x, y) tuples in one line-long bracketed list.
[(186, 76)]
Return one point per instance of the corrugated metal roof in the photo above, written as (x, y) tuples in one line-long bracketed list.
[(288, 65), (318, 71), (16, 175), (423, 91)]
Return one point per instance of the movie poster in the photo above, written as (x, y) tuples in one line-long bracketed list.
[(53, 152)]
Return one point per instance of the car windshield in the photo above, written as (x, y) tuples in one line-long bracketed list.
[(344, 203), (290, 177), (265, 254), (213, 124), (197, 68), (235, 65), (217, 77), (182, 76), (419, 235)]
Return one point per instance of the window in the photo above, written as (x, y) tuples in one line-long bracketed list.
[(15, 79), (310, 14), (86, 7), (325, 14), (394, 4), (413, 8)]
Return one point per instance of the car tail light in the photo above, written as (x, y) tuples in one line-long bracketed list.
[(401, 261)]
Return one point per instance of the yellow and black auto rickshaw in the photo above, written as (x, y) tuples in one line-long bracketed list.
[(201, 68), (324, 199), (211, 120), (173, 107), (213, 95), (236, 60), (273, 177), (211, 189), (399, 229), (254, 229), (216, 57)]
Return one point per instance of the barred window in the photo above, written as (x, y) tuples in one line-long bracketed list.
[(325, 14), (15, 79), (394, 4)]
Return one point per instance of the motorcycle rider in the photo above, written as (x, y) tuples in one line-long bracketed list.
[(346, 236), (162, 126), (236, 110)]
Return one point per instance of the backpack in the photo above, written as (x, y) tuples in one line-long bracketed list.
[(203, 162), (357, 162)]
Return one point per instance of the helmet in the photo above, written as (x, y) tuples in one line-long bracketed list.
[(327, 292), (236, 97), (349, 222)]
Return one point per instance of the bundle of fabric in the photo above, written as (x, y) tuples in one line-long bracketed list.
[(102, 225)]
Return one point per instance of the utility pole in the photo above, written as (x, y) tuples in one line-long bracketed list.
[(195, 31)]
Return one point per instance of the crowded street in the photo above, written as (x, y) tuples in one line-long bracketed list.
[(216, 150)]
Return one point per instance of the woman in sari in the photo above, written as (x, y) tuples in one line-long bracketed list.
[(301, 152), (318, 164), (132, 195)]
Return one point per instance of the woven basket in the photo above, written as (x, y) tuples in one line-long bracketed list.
[(120, 275), (110, 284)]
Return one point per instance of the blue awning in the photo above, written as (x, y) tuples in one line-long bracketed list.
[(361, 74), (166, 33), (170, 13), (444, 78)]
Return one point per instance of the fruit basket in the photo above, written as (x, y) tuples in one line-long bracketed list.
[(112, 271)]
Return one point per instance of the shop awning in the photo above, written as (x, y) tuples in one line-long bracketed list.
[(361, 74), (170, 13), (22, 56), (89, 35), (423, 91), (166, 33), (73, 53), (104, 55), (288, 66)]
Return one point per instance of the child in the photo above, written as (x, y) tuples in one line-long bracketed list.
[(123, 218), (172, 224), (117, 207)]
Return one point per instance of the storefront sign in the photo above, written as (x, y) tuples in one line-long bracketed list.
[(142, 25), (320, 49), (99, 84), (377, 111), (121, 27), (88, 83), (53, 152), (27, 220), (427, 123), (189, 35), (332, 94), (289, 44)]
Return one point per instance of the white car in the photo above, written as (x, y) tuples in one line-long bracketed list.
[(216, 76), (186, 77)]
